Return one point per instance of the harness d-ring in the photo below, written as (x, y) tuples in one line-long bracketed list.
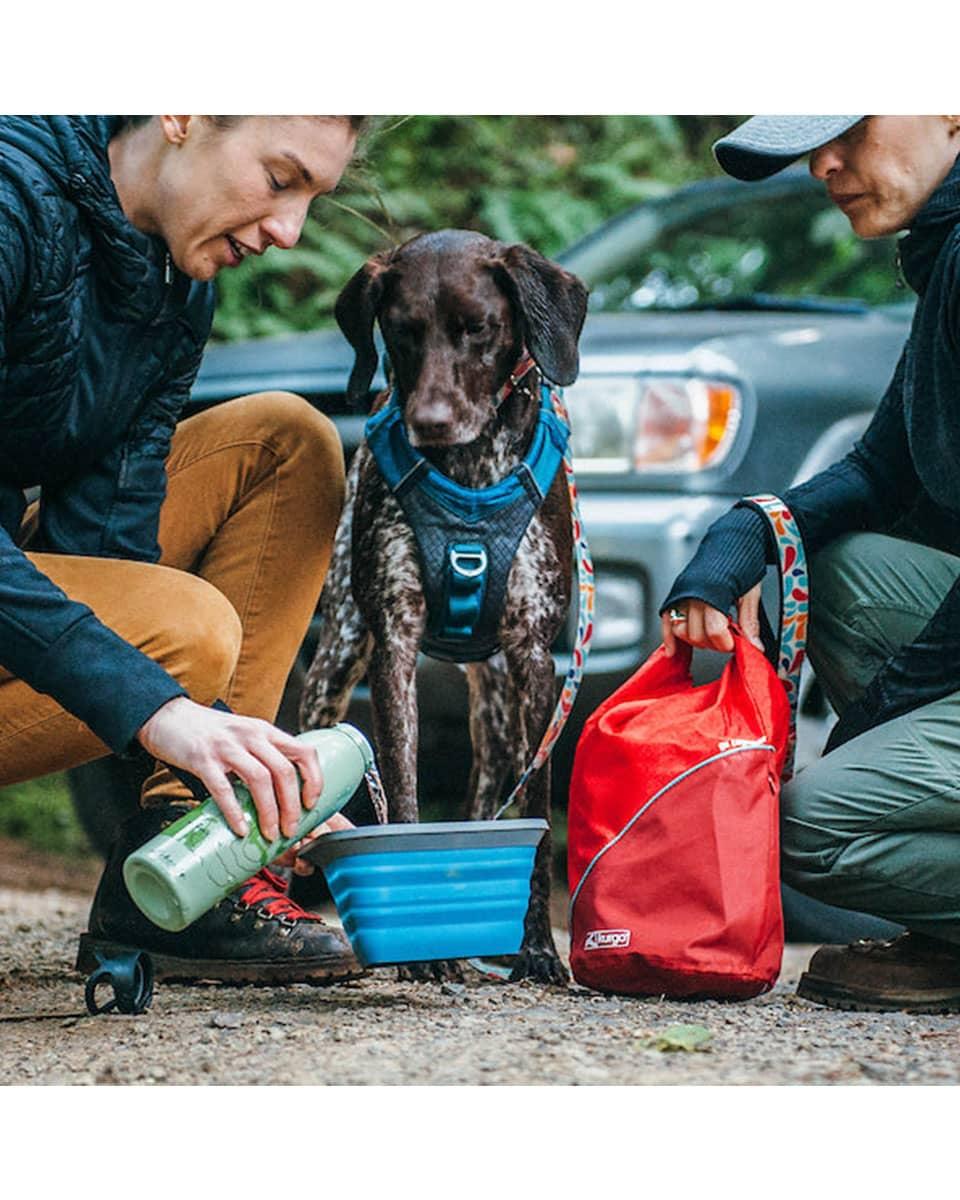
[(131, 977)]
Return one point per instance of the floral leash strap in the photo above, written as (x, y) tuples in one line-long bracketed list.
[(795, 595), (587, 590)]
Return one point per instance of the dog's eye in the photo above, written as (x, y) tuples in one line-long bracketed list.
[(405, 330), (472, 328)]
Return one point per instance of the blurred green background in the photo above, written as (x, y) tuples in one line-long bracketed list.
[(541, 180), (545, 180)]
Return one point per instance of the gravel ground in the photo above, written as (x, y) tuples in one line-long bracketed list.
[(380, 1031)]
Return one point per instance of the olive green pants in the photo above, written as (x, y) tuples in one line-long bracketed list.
[(874, 826)]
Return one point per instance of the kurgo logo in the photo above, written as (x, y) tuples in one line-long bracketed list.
[(606, 939)]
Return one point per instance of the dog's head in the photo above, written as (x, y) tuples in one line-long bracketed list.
[(455, 310)]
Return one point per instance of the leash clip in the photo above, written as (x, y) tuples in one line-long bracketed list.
[(468, 564), (131, 977)]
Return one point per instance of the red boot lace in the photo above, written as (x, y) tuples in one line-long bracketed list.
[(268, 892)]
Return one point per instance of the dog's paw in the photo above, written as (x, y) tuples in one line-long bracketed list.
[(539, 966), (446, 971)]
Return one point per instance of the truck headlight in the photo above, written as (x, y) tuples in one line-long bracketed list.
[(662, 423)]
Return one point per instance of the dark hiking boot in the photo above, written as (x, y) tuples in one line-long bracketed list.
[(255, 935), (911, 972)]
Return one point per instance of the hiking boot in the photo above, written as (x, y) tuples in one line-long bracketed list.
[(911, 972), (255, 935)]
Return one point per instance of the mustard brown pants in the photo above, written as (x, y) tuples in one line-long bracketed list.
[(255, 489)]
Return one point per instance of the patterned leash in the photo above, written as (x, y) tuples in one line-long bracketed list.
[(587, 592), (795, 595)]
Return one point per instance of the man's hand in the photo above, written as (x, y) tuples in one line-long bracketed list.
[(291, 858), (709, 629), (212, 744)]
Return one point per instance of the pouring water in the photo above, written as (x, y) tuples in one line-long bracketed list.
[(378, 797)]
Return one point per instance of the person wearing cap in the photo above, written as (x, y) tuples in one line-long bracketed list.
[(874, 825)]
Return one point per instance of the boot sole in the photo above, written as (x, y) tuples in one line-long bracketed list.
[(318, 972), (835, 995)]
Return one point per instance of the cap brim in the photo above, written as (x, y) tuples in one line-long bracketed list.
[(764, 145)]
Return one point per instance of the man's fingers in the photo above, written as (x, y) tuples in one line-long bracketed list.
[(748, 615), (717, 630), (225, 798), (286, 788), (703, 627), (308, 763), (337, 822), (696, 631), (259, 781), (668, 635)]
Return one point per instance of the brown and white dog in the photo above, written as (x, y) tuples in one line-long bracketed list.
[(457, 311)]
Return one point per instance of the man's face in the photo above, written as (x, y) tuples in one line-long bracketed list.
[(883, 170), (225, 194)]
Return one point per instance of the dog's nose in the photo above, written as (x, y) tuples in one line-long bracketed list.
[(431, 424)]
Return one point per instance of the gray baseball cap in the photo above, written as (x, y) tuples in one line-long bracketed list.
[(764, 145)]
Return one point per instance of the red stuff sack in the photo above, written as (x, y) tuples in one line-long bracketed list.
[(673, 837)]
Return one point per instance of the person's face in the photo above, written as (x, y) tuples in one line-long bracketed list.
[(883, 170), (223, 194)]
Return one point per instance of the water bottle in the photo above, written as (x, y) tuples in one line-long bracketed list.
[(192, 864)]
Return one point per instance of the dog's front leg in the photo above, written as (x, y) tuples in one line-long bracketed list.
[(343, 644), (393, 697), (535, 682), (392, 673)]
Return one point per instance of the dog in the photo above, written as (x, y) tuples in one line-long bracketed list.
[(458, 312)]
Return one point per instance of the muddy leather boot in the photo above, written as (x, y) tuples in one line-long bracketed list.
[(912, 973), (256, 935)]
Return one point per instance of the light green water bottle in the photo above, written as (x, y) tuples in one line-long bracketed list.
[(193, 863)]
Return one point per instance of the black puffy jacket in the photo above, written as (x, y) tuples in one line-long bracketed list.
[(100, 340)]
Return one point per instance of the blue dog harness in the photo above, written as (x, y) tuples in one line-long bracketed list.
[(467, 538)]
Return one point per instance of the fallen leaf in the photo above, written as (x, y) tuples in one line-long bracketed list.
[(681, 1037)]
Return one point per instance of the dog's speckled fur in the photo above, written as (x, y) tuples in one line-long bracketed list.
[(456, 310)]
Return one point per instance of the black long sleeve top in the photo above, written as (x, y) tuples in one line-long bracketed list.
[(902, 476)]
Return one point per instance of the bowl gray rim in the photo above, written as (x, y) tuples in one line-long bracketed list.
[(432, 835)]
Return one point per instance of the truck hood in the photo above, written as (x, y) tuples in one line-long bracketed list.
[(646, 339)]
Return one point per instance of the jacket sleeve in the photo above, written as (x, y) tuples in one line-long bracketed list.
[(929, 667), (869, 489), (53, 643)]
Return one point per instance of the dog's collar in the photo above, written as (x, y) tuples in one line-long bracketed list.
[(525, 365)]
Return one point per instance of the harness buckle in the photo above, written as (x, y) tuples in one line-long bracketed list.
[(468, 564)]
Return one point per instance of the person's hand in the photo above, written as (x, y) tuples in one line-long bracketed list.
[(291, 858), (212, 744), (706, 628)]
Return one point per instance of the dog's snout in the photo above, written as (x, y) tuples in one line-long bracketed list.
[(432, 422)]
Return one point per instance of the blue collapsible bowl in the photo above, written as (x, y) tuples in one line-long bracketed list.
[(412, 893)]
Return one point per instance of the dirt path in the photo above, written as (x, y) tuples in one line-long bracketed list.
[(380, 1031)]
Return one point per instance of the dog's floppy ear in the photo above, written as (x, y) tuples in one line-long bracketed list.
[(356, 310), (551, 304)]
